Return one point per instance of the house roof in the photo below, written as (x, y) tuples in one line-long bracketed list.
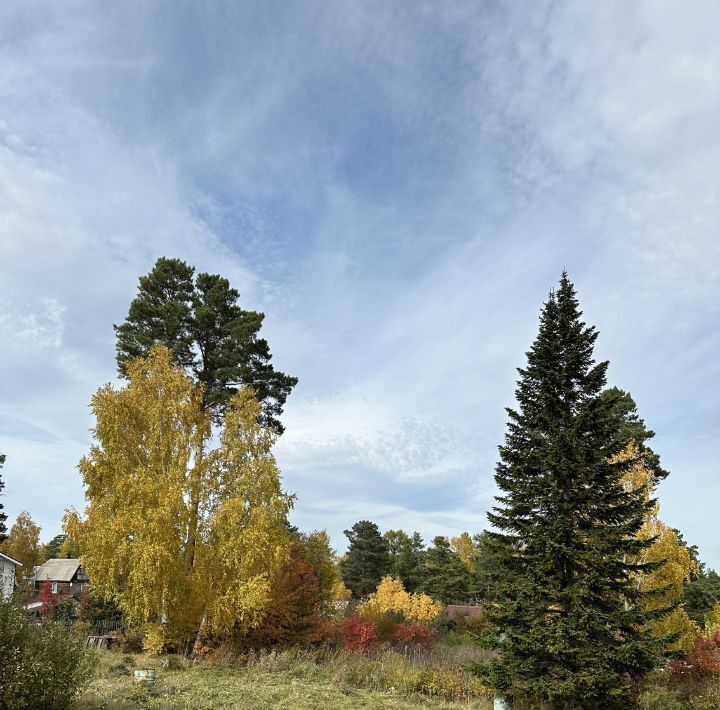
[(10, 559), (57, 570)]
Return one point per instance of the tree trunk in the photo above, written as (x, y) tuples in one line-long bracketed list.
[(195, 482)]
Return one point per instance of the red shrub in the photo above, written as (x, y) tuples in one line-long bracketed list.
[(704, 659), (359, 634), (47, 597), (415, 635)]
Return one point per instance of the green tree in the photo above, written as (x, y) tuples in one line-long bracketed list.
[(367, 560), (631, 429), (570, 616), (487, 568), (446, 578), (407, 554), (701, 595), (209, 335), (51, 549), (3, 516)]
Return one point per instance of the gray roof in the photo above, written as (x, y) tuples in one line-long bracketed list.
[(57, 570), (7, 557)]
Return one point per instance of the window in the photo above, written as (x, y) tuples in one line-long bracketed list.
[(54, 587)]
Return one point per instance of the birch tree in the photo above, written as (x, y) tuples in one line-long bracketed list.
[(149, 494)]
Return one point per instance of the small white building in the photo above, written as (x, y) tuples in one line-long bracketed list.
[(7, 574)]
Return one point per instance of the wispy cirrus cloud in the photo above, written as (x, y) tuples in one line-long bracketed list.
[(397, 185)]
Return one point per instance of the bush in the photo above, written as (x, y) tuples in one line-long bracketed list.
[(40, 666), (660, 699), (703, 662), (392, 597), (359, 634), (416, 635)]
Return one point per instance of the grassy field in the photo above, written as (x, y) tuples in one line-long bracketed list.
[(282, 681)]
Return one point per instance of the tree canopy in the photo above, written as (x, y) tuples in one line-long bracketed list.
[(367, 560), (208, 334), (142, 480), (23, 545), (445, 576), (571, 618)]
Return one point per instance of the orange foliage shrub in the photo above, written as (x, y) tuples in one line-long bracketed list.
[(417, 635), (704, 659), (359, 633)]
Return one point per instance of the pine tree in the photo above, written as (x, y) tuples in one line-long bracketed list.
[(208, 334), (3, 516), (367, 560), (570, 616), (407, 554), (445, 577)]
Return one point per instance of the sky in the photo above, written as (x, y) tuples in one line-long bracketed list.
[(397, 186)]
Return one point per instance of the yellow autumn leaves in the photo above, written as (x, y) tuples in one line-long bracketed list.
[(668, 580), (180, 535), (391, 596)]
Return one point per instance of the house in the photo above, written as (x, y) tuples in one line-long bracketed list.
[(7, 575), (67, 577)]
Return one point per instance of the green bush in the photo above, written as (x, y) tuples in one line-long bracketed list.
[(40, 666), (659, 698)]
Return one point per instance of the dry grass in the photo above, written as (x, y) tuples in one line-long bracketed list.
[(291, 679)]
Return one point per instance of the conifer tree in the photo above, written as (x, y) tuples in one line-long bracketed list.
[(407, 554), (570, 617), (445, 577), (215, 340), (367, 560), (3, 516)]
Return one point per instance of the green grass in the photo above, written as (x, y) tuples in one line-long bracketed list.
[(301, 681)]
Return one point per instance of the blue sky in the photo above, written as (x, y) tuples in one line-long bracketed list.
[(397, 185)]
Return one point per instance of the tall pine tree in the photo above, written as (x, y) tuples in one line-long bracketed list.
[(3, 516), (199, 320), (568, 610), (367, 560)]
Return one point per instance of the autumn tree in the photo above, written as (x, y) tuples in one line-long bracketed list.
[(142, 480), (367, 560), (672, 564), (3, 515), (407, 553), (571, 618), (23, 545), (314, 548), (392, 597), (216, 342), (445, 577)]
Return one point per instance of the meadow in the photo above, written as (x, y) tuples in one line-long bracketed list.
[(299, 679)]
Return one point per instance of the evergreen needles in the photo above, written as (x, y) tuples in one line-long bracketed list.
[(569, 610)]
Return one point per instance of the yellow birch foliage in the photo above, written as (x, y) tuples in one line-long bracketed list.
[(23, 545), (678, 566), (391, 596), (466, 550), (243, 536), (712, 620), (141, 476)]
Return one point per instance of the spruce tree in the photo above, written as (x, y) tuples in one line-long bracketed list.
[(199, 320), (3, 516), (367, 560), (569, 611)]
